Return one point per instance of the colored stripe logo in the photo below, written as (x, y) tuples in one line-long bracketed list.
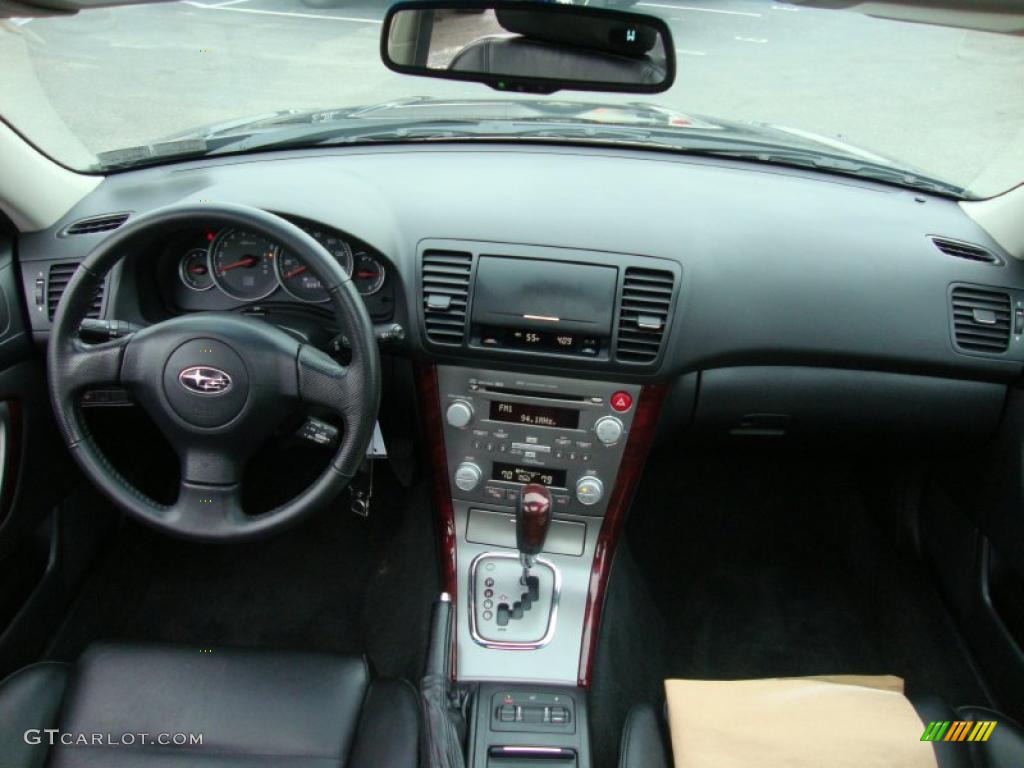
[(958, 730)]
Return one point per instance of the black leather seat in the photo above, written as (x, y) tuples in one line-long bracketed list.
[(645, 741), (252, 708)]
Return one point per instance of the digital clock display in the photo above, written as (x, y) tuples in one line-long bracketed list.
[(534, 415), (516, 473)]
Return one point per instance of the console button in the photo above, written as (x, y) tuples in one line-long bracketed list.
[(494, 492), (467, 476), (459, 414), (608, 430), (589, 490), (621, 401)]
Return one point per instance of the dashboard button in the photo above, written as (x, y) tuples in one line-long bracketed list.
[(621, 401)]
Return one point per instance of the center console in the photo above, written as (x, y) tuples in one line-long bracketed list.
[(503, 430), (519, 449)]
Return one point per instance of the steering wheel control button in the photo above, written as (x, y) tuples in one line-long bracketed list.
[(621, 401), (608, 430), (589, 490), (459, 414), (467, 476), (206, 382)]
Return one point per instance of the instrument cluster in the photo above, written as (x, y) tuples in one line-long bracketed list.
[(246, 266)]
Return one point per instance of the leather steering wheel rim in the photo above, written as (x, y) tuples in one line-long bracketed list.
[(268, 373)]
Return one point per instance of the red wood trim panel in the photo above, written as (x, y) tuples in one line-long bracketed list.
[(433, 434), (641, 435)]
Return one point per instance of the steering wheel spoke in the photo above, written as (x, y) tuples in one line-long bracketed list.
[(326, 383), (207, 511), (94, 365)]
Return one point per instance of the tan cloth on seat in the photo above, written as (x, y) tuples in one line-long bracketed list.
[(825, 722)]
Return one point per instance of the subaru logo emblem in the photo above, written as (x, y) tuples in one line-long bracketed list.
[(205, 380)]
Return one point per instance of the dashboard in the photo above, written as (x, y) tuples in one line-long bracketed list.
[(787, 295)]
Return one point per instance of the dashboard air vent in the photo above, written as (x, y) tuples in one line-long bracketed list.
[(963, 250), (981, 319), (57, 280), (446, 295), (95, 224), (643, 314)]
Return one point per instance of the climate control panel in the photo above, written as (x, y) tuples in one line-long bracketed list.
[(503, 430)]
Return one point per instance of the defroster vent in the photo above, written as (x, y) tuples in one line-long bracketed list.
[(644, 306), (446, 277), (981, 319), (57, 280), (94, 224)]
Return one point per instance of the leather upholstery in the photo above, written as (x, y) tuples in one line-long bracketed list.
[(644, 743), (253, 708), (1004, 747), (29, 698), (643, 740)]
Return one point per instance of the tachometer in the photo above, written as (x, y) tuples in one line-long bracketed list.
[(368, 274), (242, 264), (194, 270), (298, 279)]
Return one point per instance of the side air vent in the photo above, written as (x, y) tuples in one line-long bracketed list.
[(643, 314), (57, 280), (446, 295), (967, 251), (95, 224), (981, 319)]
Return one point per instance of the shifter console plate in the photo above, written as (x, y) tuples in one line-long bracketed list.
[(500, 617)]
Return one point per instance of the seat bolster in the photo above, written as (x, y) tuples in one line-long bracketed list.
[(1004, 748), (947, 754), (389, 727), (643, 740), (30, 699)]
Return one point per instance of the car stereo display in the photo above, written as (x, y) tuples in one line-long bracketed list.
[(534, 415), (516, 473)]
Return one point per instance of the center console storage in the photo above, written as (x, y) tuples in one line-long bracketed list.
[(527, 726)]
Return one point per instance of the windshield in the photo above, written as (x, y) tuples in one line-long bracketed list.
[(105, 88)]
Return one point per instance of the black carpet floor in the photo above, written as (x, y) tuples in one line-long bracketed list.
[(337, 582), (744, 563)]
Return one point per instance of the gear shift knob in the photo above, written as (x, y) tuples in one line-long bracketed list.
[(533, 519)]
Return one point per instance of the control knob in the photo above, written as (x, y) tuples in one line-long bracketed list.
[(459, 414), (608, 430), (467, 476), (589, 490)]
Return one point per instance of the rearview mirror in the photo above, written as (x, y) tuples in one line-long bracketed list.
[(530, 47)]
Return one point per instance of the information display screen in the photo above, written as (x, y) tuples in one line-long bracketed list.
[(540, 340), (516, 473), (534, 415)]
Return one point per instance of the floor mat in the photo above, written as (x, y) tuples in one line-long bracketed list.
[(337, 582), (767, 563)]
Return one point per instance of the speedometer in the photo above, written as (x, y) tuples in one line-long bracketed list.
[(242, 264)]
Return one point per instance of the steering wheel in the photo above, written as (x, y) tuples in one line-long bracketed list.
[(215, 383)]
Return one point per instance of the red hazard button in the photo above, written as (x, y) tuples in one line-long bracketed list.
[(622, 401)]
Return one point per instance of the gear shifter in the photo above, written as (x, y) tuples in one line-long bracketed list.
[(533, 519)]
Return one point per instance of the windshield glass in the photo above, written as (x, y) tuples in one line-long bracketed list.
[(107, 88)]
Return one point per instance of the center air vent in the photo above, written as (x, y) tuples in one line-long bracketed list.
[(981, 319), (967, 251), (646, 299), (95, 224), (446, 295), (57, 280)]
